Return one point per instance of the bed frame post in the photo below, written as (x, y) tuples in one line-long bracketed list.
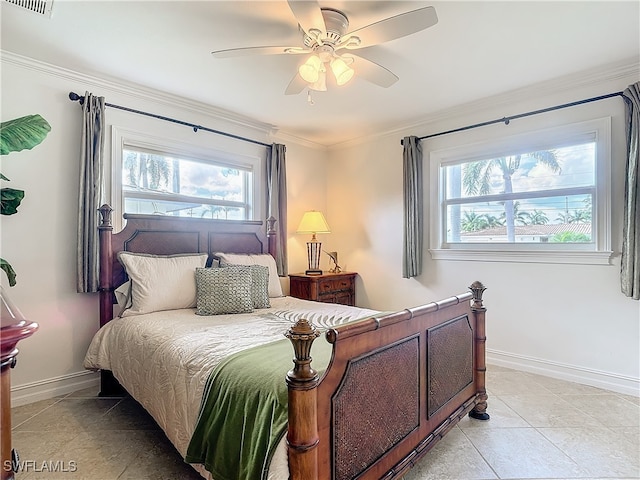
[(302, 382), (271, 237), (479, 412), (109, 386), (105, 229)]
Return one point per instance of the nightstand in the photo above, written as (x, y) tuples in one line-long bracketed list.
[(328, 287)]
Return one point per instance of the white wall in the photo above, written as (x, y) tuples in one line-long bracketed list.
[(40, 240), (306, 190), (568, 321)]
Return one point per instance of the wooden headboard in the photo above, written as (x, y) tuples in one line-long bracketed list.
[(167, 235)]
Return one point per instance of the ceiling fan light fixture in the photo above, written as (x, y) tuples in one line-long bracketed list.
[(341, 70), (321, 84), (310, 70)]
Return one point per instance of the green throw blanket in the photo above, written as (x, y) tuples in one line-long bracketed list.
[(243, 414)]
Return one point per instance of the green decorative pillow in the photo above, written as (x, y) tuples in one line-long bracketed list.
[(259, 286), (223, 290), (263, 259)]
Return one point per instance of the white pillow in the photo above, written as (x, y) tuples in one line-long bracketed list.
[(161, 282), (123, 294), (264, 259)]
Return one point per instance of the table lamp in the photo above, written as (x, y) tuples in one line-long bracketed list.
[(313, 222)]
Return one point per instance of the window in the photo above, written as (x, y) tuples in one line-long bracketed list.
[(154, 176), (542, 196), (155, 183)]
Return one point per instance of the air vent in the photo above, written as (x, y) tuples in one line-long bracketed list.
[(41, 7)]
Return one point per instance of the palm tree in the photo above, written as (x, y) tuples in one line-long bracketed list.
[(581, 216), (538, 217), (520, 217), (146, 170), (472, 222), (493, 221), (130, 164), (175, 178), (578, 216), (157, 170), (476, 179)]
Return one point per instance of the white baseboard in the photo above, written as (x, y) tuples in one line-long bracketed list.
[(53, 387), (586, 376)]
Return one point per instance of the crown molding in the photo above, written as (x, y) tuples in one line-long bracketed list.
[(628, 69), (263, 130), (284, 136)]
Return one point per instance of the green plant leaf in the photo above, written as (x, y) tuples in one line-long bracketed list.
[(22, 133), (10, 199), (8, 269), (15, 135)]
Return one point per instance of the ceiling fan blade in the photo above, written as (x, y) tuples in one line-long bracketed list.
[(373, 72), (393, 27), (296, 85), (308, 15), (245, 51)]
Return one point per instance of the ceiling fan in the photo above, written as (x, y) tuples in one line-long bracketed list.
[(330, 45)]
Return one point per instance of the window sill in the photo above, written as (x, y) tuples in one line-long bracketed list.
[(525, 256)]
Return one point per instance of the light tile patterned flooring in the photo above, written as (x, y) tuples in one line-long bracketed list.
[(540, 428)]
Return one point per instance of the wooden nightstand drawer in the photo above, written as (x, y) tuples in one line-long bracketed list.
[(331, 285), (328, 287)]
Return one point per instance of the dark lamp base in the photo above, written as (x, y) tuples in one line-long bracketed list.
[(313, 272)]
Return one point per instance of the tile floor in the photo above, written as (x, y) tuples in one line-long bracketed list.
[(540, 428)]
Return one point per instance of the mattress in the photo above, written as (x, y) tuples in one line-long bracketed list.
[(163, 359)]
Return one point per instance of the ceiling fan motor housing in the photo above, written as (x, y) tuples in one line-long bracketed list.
[(325, 52), (336, 25)]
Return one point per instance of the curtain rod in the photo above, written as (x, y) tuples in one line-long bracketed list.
[(74, 97), (506, 120)]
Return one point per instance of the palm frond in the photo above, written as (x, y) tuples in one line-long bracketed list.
[(548, 158)]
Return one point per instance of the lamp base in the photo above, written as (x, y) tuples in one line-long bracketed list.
[(313, 253)]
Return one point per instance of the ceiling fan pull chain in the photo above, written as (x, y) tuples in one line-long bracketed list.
[(310, 98)]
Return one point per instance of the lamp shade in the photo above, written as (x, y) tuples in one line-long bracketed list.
[(310, 69), (321, 84), (341, 70), (313, 222)]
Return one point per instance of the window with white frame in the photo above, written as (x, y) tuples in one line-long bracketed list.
[(156, 176), (539, 197)]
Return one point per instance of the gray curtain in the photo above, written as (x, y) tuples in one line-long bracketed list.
[(630, 264), (413, 208), (277, 201), (90, 195)]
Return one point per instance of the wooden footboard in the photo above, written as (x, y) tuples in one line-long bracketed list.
[(396, 384)]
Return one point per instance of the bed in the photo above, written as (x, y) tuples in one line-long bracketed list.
[(366, 401)]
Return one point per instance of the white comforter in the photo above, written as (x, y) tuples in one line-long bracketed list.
[(163, 359)]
